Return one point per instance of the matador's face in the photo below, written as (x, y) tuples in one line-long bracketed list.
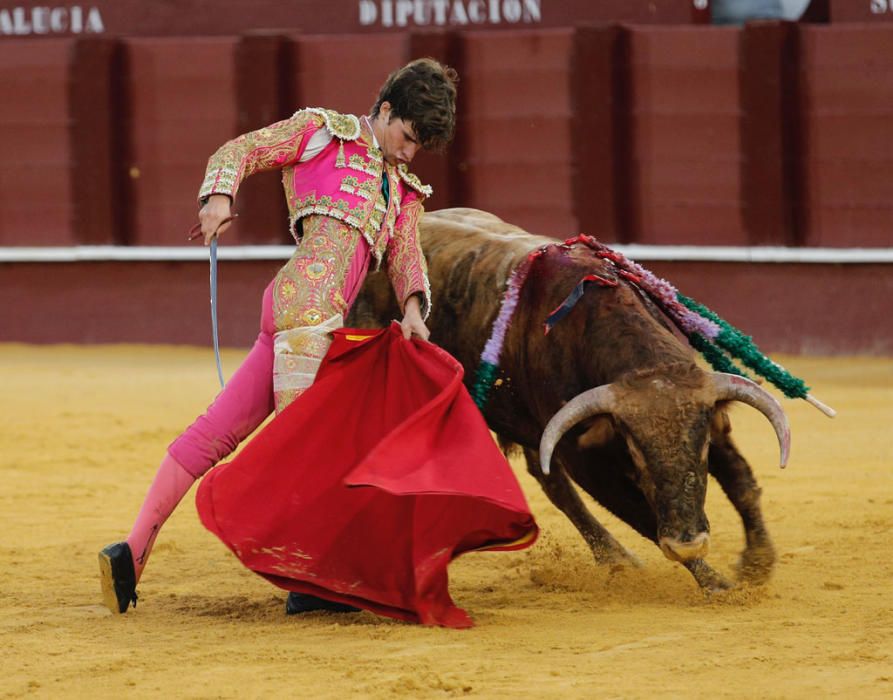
[(396, 137)]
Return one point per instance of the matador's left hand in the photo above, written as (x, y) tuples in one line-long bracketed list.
[(412, 323)]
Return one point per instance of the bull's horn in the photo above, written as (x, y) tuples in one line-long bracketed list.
[(731, 387), (589, 403)]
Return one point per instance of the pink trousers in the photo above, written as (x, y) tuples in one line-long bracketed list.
[(247, 399)]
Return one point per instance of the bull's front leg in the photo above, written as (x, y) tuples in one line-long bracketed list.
[(564, 496), (736, 478), (710, 580)]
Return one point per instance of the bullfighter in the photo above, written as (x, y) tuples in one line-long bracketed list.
[(353, 204)]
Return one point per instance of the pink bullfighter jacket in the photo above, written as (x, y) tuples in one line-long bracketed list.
[(343, 181)]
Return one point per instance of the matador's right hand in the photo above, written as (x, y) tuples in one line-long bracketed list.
[(213, 216)]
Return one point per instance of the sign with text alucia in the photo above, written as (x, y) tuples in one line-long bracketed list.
[(46, 18)]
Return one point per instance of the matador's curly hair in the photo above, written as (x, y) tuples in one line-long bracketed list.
[(423, 93)]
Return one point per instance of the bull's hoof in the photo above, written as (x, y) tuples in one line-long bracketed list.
[(756, 564), (708, 579)]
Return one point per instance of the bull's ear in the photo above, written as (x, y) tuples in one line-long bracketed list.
[(720, 425), (599, 432)]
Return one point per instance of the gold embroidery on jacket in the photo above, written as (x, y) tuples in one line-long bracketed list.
[(413, 181), (342, 126), (366, 189), (327, 206), (278, 146), (407, 268), (274, 146), (371, 167), (350, 184)]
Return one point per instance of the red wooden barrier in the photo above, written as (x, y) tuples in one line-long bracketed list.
[(97, 141), (861, 10), (600, 153), (769, 126), (263, 96), (773, 134), (35, 178), (172, 299), (344, 72), (181, 107), (518, 128), (441, 171), (685, 119), (847, 152)]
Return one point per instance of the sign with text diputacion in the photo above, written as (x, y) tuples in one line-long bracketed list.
[(48, 18)]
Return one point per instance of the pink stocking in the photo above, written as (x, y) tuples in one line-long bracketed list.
[(170, 485)]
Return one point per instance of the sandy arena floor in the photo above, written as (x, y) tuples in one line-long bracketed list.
[(83, 429)]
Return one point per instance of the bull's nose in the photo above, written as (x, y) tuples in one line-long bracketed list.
[(677, 550)]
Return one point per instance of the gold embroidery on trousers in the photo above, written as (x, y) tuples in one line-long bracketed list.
[(308, 303), (297, 355)]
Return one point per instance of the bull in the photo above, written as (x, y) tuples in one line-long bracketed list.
[(615, 395)]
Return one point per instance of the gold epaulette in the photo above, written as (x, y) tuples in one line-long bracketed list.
[(413, 181), (342, 126)]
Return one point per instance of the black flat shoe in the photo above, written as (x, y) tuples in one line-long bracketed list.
[(117, 577), (302, 602)]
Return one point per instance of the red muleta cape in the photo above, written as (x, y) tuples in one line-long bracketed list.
[(370, 483)]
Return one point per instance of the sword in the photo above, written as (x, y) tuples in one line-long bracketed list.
[(214, 309), (195, 232)]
